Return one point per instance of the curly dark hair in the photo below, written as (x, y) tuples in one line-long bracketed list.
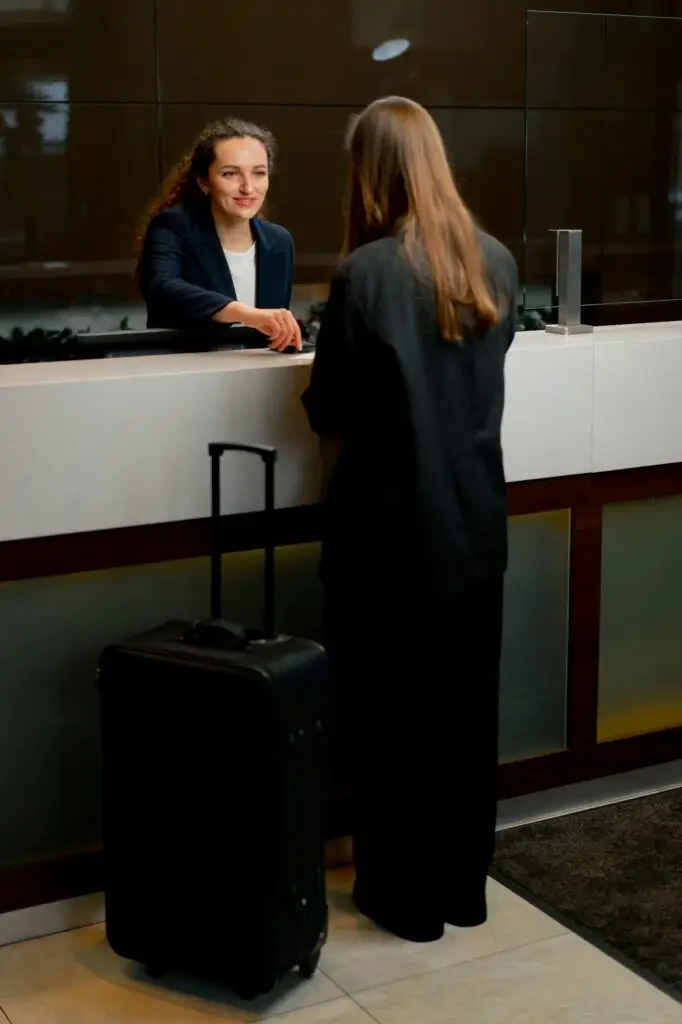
[(181, 184)]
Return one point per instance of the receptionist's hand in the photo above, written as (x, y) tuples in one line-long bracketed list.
[(280, 325)]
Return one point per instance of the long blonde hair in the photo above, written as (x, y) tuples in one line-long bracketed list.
[(400, 182)]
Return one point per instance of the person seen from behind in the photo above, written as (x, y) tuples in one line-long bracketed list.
[(407, 388)]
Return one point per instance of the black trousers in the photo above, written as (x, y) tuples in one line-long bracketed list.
[(417, 693)]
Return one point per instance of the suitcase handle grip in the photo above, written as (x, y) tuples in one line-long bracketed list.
[(218, 634), (269, 456), (266, 453)]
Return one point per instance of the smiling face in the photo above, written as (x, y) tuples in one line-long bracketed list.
[(238, 178)]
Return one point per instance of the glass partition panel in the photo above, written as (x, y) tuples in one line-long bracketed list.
[(603, 154)]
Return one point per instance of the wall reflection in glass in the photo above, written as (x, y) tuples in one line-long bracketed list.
[(99, 97)]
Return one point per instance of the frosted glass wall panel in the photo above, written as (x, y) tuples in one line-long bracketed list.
[(534, 654), (640, 672)]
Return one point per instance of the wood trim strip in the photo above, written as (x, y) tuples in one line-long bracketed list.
[(637, 484), (162, 542), (50, 880), (566, 767), (584, 626), (158, 542), (528, 497)]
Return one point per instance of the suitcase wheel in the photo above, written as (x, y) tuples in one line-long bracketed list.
[(307, 967), (154, 970)]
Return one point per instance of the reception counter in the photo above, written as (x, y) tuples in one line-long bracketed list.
[(113, 443), (103, 531)]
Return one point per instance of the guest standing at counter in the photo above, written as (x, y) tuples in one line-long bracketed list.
[(206, 255), (408, 385)]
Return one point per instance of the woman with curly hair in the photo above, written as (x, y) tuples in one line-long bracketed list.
[(206, 255)]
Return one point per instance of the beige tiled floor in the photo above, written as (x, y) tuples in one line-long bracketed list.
[(521, 968)]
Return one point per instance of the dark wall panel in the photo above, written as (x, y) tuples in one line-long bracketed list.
[(98, 97), (603, 63), (306, 52), (97, 50), (486, 151), (73, 179)]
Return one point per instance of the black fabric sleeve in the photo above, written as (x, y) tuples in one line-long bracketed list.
[(513, 302), (329, 399)]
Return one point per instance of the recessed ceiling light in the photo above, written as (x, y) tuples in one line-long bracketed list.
[(391, 49)]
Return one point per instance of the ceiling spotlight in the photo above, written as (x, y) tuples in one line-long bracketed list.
[(391, 49)]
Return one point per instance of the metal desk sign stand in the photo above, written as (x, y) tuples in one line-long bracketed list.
[(569, 254)]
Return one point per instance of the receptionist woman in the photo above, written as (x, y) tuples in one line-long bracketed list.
[(206, 254)]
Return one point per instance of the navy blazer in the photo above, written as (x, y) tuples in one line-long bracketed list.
[(184, 276)]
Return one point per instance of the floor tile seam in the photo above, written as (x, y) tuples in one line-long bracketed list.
[(458, 963), (364, 1009)]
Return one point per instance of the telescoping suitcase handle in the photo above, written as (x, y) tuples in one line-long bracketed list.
[(269, 457)]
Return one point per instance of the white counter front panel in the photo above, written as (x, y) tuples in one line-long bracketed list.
[(129, 449), (547, 427), (638, 400), (123, 442)]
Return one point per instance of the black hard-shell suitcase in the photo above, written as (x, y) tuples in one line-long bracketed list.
[(213, 750)]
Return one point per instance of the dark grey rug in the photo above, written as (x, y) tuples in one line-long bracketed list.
[(613, 874)]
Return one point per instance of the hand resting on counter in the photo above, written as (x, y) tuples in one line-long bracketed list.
[(279, 325)]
